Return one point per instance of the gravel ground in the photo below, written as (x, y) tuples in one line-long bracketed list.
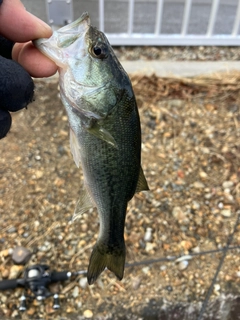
[(190, 151), (197, 53)]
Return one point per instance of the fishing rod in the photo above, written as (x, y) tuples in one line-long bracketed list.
[(36, 279)]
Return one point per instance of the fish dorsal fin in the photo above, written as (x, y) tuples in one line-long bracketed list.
[(142, 182), (75, 149), (84, 203), (98, 131)]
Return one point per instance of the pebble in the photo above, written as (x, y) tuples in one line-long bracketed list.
[(203, 175), (227, 184), (88, 314), (83, 282), (178, 213), (196, 249), (198, 185), (208, 196), (148, 235), (46, 246), (220, 205), (238, 274), (21, 255), (12, 230), (195, 205), (15, 271), (136, 282), (150, 246), (145, 270), (75, 292), (226, 213), (217, 287), (5, 273), (6, 252), (183, 265)]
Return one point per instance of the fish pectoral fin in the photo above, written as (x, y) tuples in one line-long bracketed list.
[(99, 132), (142, 184), (75, 149), (84, 203)]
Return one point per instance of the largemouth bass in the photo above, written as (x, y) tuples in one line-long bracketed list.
[(105, 133)]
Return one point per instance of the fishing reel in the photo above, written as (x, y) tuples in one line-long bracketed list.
[(36, 279)]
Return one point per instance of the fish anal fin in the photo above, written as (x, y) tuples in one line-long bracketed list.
[(142, 184), (75, 149), (84, 203)]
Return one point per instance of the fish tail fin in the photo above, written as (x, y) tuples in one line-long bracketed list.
[(102, 256)]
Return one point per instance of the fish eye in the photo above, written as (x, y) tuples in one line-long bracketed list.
[(99, 52)]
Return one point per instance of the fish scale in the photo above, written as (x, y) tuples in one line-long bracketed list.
[(105, 133)]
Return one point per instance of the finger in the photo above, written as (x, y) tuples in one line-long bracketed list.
[(5, 123), (19, 25), (33, 60), (16, 86)]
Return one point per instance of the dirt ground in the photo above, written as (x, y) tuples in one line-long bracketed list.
[(190, 155)]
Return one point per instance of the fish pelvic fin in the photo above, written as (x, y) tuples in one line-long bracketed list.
[(102, 257)]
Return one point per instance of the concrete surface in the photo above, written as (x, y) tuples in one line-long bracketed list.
[(179, 68), (175, 68)]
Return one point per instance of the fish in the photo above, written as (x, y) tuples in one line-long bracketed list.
[(105, 133)]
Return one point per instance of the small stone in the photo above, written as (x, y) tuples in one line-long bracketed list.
[(195, 205), (149, 246), (75, 292), (198, 185), (183, 265), (15, 271), (83, 282), (217, 287), (14, 314), (220, 205), (5, 273), (186, 244), (38, 174), (31, 311), (36, 224), (12, 230), (208, 196), (88, 314), (169, 288), (196, 249), (136, 283), (5, 253), (163, 267), (148, 235), (226, 213), (203, 175), (178, 214), (238, 274), (21, 255), (227, 184), (145, 270)]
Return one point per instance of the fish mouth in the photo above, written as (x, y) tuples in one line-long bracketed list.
[(54, 46)]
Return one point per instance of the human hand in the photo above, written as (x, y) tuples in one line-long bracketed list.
[(16, 85)]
